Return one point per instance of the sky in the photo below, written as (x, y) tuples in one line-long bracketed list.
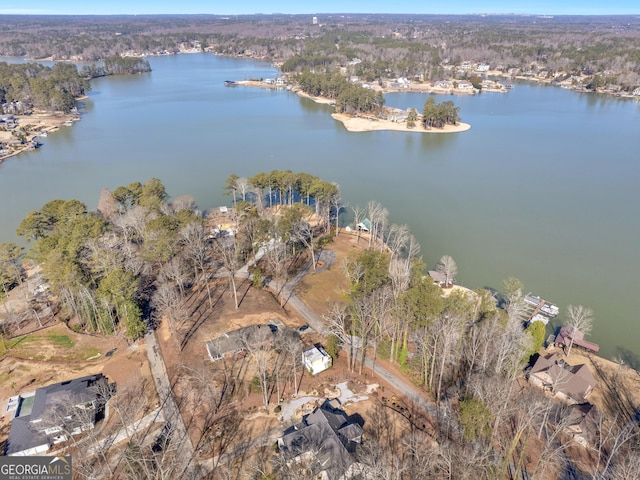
[(220, 7)]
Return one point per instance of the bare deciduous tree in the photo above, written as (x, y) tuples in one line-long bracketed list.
[(447, 266), (578, 318)]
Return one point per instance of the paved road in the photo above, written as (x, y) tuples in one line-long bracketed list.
[(316, 322), (167, 401)]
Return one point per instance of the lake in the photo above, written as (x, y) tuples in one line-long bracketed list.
[(543, 187)]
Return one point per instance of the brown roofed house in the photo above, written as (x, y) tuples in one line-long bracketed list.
[(572, 383)]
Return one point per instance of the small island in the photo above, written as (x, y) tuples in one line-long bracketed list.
[(363, 109), (361, 124)]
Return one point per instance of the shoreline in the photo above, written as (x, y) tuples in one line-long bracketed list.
[(361, 124), (357, 123), (34, 126)]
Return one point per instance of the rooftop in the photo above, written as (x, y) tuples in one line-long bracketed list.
[(51, 406)]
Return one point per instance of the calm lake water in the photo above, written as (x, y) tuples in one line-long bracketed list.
[(544, 187)]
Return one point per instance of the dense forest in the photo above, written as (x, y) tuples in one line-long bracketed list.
[(390, 46), (32, 85), (349, 98), (27, 86)]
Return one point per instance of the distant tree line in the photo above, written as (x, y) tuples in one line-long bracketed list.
[(431, 47), (26, 86), (117, 65)]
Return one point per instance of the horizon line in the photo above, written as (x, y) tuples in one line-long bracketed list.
[(51, 14)]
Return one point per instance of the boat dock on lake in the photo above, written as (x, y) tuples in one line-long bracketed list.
[(539, 309)]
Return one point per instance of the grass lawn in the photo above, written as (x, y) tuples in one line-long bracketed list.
[(50, 346)]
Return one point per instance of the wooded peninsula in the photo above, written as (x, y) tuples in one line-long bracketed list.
[(279, 311)]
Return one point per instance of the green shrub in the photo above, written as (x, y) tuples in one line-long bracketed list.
[(333, 346)]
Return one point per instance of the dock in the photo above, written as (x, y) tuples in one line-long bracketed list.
[(539, 309)]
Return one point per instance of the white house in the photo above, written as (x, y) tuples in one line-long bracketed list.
[(443, 84), (465, 85), (316, 360), (482, 67)]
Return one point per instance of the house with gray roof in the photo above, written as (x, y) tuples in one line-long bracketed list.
[(51, 414), (324, 441), (580, 421), (234, 344)]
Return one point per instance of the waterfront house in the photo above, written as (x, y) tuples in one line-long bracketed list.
[(438, 277), (570, 383), (465, 85), (316, 359), (566, 334), (323, 443), (443, 84), (52, 414), (364, 225), (8, 121)]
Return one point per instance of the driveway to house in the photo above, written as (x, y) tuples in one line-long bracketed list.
[(168, 404), (126, 432), (315, 322)]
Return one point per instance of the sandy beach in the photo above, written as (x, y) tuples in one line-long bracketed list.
[(360, 124), (369, 124)]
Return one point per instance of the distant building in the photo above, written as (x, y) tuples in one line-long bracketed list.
[(465, 85), (443, 84), (51, 414), (314, 20)]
